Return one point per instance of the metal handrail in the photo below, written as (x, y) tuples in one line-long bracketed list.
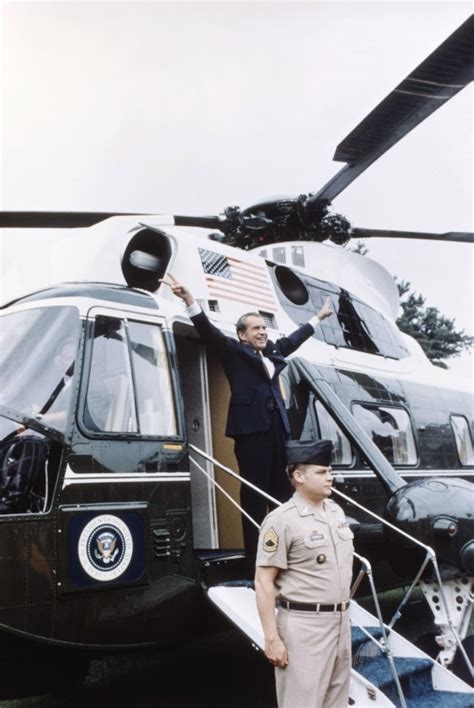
[(430, 557), (234, 474), (365, 563)]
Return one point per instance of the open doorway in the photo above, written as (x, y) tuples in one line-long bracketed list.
[(216, 521)]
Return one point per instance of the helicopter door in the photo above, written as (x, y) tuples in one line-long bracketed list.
[(217, 522), (193, 375)]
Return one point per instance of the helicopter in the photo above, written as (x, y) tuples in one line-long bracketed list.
[(107, 530)]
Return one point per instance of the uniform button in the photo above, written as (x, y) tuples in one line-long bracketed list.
[(321, 558)]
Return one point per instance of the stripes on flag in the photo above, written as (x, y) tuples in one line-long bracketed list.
[(229, 278)]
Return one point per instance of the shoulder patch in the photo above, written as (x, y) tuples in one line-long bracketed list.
[(270, 541)]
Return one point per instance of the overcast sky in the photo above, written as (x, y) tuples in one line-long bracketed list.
[(192, 107)]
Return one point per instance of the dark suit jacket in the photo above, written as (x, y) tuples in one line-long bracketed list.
[(252, 390)]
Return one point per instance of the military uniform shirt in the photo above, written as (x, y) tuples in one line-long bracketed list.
[(313, 549)]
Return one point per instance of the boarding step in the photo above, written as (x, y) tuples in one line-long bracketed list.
[(425, 683), (217, 555), (414, 674)]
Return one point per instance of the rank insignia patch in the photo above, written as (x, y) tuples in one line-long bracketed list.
[(270, 541)]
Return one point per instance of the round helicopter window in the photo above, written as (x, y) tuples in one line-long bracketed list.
[(291, 286)]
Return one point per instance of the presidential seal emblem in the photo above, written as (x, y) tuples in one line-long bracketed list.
[(105, 547)]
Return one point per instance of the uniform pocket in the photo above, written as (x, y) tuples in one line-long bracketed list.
[(345, 533)]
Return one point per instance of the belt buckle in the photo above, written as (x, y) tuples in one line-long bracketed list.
[(318, 605), (344, 605)]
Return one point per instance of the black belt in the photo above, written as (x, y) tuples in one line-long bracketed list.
[(312, 607)]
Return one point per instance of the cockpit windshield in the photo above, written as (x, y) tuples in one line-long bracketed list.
[(38, 350)]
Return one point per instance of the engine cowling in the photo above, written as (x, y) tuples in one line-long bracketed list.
[(439, 512)]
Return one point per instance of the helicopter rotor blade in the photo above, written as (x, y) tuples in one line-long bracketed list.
[(205, 222), (54, 219), (460, 236), (68, 220), (437, 79)]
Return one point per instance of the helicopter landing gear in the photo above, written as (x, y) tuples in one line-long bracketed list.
[(460, 599)]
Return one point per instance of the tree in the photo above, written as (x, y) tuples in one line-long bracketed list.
[(433, 331)]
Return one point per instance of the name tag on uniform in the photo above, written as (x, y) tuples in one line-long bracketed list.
[(317, 536)]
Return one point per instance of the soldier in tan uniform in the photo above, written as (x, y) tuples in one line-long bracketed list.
[(304, 567)]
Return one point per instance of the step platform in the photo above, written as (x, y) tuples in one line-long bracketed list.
[(425, 683)]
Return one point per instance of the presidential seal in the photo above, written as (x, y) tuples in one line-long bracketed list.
[(105, 547)]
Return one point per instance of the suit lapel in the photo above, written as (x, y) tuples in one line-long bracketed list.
[(271, 352)]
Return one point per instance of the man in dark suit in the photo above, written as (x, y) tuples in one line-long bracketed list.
[(257, 418)]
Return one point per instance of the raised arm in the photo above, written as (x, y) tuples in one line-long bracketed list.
[(287, 345), (178, 289), (210, 335)]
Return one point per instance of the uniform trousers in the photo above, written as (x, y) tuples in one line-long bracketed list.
[(319, 659), (262, 461)]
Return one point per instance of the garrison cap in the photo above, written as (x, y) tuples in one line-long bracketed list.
[(309, 452)]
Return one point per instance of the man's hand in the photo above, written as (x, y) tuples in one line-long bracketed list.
[(276, 652), (326, 309), (178, 289)]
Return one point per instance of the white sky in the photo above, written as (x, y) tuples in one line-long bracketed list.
[(191, 107)]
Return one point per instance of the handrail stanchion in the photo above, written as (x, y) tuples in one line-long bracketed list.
[(384, 645)]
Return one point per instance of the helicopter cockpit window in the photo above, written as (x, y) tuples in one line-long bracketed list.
[(37, 360), (38, 351), (110, 405), (154, 391), (391, 431), (129, 388), (463, 439)]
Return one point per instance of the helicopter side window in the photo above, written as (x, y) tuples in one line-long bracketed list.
[(306, 415), (154, 391), (390, 429), (342, 451), (355, 325), (110, 406), (462, 435)]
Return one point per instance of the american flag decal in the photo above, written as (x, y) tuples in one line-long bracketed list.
[(232, 279)]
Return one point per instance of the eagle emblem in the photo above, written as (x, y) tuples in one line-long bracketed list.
[(106, 551)]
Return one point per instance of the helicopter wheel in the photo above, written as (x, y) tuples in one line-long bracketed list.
[(458, 666)]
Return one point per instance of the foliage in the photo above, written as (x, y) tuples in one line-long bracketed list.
[(433, 331)]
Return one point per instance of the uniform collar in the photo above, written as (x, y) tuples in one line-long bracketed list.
[(304, 508)]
